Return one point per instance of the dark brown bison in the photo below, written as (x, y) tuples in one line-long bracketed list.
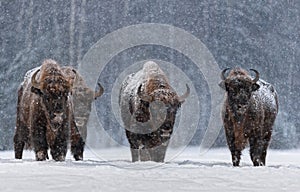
[(45, 116), (83, 97), (249, 112), (148, 106)]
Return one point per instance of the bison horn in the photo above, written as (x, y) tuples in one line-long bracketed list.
[(257, 75), (223, 73), (76, 78), (100, 92), (184, 96), (34, 82)]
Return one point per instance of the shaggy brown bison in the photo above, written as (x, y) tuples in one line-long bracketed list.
[(83, 97), (249, 112), (45, 116), (148, 106)]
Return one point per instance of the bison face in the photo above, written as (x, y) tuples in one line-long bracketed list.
[(142, 112), (240, 90), (157, 104), (56, 105), (54, 91), (239, 87)]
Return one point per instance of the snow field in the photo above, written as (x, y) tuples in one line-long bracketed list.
[(111, 170)]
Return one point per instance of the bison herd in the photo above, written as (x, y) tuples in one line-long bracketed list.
[(54, 105)]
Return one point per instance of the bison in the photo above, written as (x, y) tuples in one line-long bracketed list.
[(249, 111), (45, 117), (148, 106), (83, 97)]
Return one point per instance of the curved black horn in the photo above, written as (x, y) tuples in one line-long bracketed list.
[(34, 82), (100, 92), (185, 95), (223, 73), (76, 78), (142, 95), (257, 75)]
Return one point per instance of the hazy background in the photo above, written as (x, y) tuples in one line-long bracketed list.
[(258, 34)]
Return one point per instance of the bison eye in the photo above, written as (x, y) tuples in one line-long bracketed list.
[(145, 103)]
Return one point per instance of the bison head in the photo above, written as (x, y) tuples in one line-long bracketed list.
[(239, 87), (53, 87), (79, 86), (158, 103)]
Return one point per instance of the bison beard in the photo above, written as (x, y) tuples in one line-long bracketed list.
[(148, 109), (249, 112), (45, 115)]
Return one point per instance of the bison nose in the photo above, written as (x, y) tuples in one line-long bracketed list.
[(58, 118), (142, 116), (166, 133), (58, 108)]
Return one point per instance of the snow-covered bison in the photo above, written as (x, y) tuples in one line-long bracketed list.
[(45, 116), (148, 106), (249, 112), (83, 97)]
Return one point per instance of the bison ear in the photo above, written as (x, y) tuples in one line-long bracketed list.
[(222, 85), (255, 86)]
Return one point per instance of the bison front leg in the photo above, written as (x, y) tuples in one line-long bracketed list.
[(133, 141), (158, 153), (235, 153), (40, 143), (144, 154), (255, 151), (58, 152), (258, 148), (236, 157)]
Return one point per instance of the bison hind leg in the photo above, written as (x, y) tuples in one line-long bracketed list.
[(77, 149), (20, 138), (18, 147), (19, 144), (258, 151)]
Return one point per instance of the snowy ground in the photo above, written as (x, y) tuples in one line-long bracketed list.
[(111, 170)]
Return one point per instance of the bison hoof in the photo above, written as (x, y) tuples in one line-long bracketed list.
[(78, 157), (235, 161), (41, 156), (59, 158), (18, 156), (258, 162)]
